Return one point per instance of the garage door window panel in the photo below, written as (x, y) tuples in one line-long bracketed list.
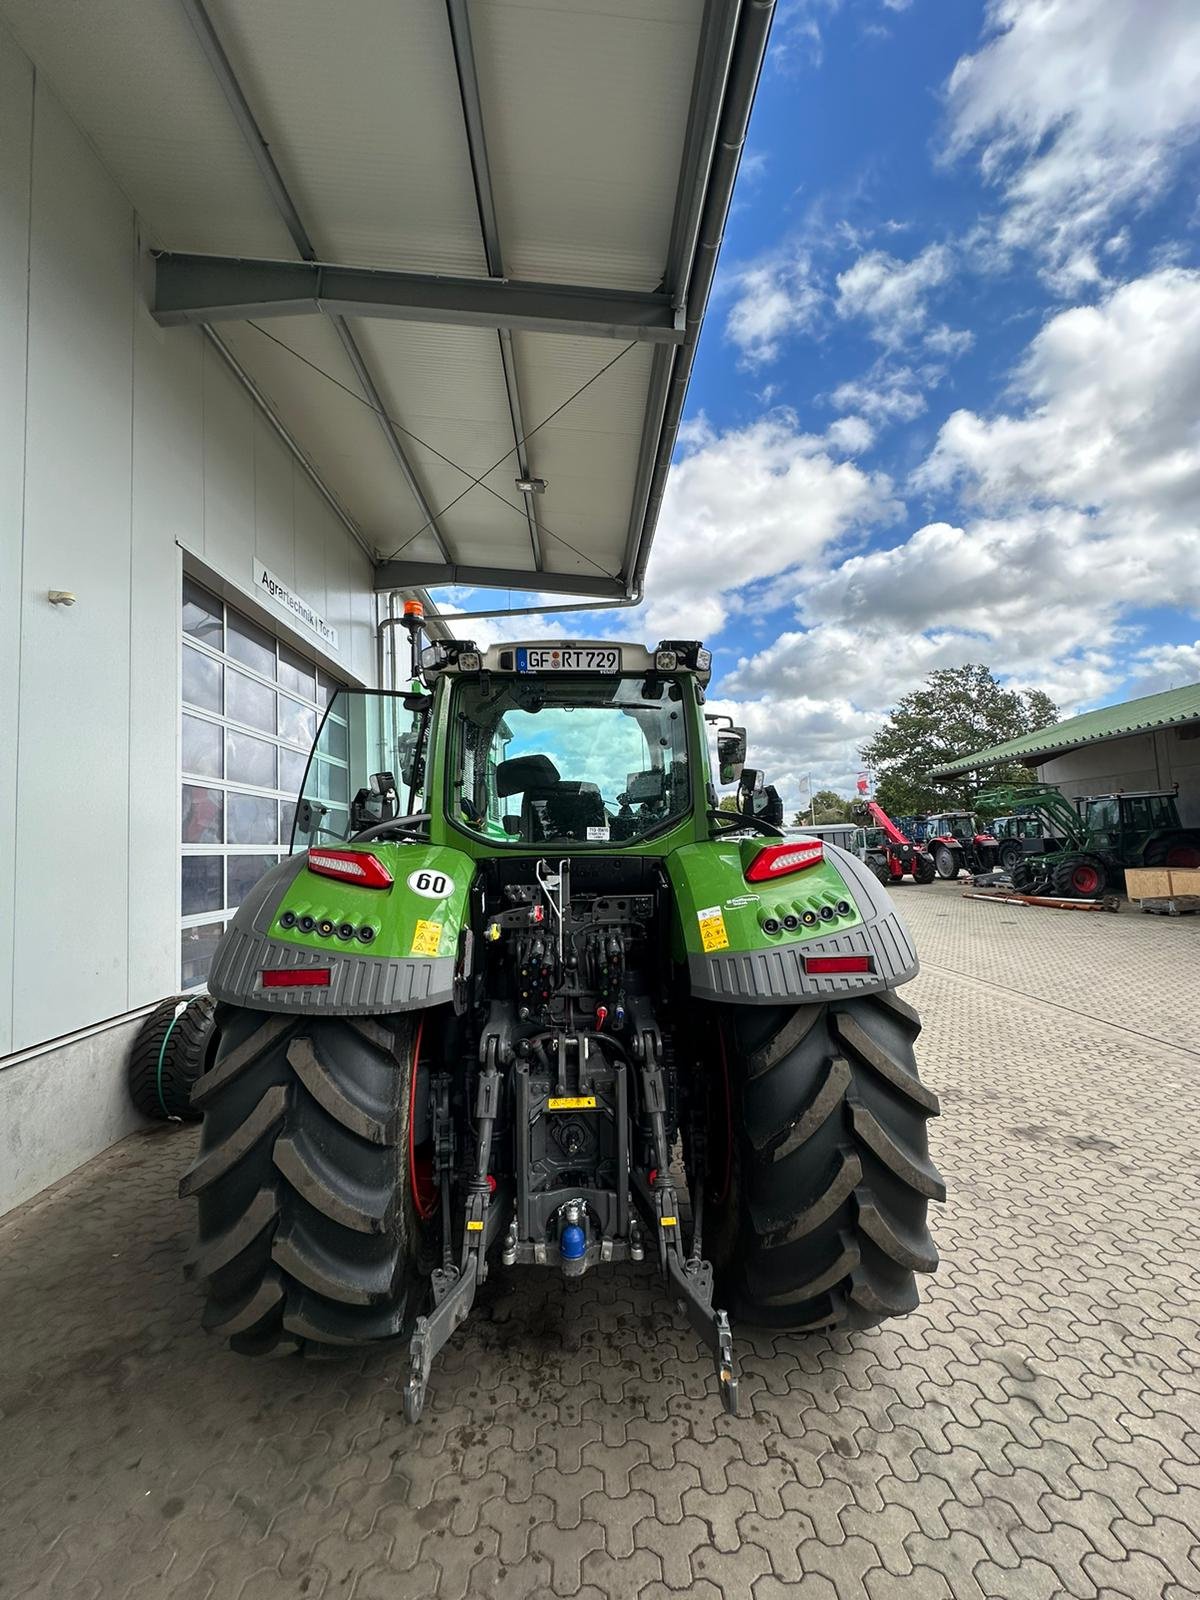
[(201, 748), (250, 761), (202, 680), (203, 815), (202, 886), (250, 710), (250, 702)]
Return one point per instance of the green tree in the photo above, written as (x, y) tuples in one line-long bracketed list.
[(828, 805), (958, 710), (728, 803)]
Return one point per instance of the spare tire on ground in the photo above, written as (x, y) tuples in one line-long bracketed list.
[(170, 1052)]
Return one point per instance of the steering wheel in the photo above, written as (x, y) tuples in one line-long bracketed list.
[(743, 820)]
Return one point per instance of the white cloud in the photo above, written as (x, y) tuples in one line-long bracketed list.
[(885, 394), (1109, 428), (891, 294), (797, 39), (1084, 507), (851, 435), (749, 507), (1078, 109), (774, 298), (1166, 666)]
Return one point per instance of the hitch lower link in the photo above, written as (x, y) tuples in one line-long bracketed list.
[(454, 1285), (689, 1279)]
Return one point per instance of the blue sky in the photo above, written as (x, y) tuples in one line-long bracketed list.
[(947, 401)]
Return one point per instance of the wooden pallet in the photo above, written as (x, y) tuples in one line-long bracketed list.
[(1179, 905)]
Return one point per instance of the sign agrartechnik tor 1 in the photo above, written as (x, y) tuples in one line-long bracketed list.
[(266, 583)]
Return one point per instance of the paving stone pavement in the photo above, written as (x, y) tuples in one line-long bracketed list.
[(1033, 1430)]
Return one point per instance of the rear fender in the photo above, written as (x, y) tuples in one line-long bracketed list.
[(408, 942), (718, 930)]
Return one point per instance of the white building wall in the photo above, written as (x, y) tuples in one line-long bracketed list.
[(1156, 760), (122, 445)]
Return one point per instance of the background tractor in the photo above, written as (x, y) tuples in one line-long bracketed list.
[(888, 852), (1141, 828), (955, 840), (1096, 838), (496, 1010), (1021, 835)]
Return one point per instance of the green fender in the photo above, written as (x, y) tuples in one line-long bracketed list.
[(392, 948)]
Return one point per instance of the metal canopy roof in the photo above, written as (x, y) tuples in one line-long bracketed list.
[(1168, 709), (457, 245)]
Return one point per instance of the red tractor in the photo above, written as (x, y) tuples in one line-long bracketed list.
[(955, 840), (888, 852)]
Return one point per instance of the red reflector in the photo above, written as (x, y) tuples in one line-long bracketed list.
[(351, 866), (296, 978), (777, 860), (817, 965)]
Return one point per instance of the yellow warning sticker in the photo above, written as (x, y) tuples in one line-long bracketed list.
[(427, 938), (572, 1102), (474, 1227), (668, 1222), (712, 929)]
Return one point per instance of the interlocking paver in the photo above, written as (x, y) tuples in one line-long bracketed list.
[(1029, 1431)]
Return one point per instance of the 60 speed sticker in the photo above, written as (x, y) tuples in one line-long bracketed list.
[(433, 885)]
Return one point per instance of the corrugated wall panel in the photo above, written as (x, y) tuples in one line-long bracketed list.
[(168, 505), (16, 132), (228, 469), (274, 502), (303, 371), (360, 107), (73, 745), (585, 165), (133, 74)]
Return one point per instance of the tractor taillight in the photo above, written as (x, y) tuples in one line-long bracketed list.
[(778, 860), (296, 978), (351, 866), (826, 966)]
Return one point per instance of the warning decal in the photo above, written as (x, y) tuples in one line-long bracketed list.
[(573, 1102), (427, 938), (712, 929)]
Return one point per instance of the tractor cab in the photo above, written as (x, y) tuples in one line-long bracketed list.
[(1140, 828)]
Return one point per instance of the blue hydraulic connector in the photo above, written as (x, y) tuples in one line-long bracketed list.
[(572, 1243)]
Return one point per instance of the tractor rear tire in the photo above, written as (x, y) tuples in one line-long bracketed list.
[(1182, 851), (823, 1220), (946, 862), (1079, 878), (170, 1052), (924, 870), (308, 1232), (1011, 854)]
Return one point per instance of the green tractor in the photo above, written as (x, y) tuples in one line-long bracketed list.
[(1095, 840), (519, 984)]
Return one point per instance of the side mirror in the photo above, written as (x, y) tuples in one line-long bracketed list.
[(731, 753), (512, 826), (412, 768)]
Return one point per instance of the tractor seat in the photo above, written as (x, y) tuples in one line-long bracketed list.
[(573, 808)]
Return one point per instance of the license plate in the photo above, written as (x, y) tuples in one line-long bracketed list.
[(571, 658)]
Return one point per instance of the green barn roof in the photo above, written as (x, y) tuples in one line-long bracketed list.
[(1165, 710)]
